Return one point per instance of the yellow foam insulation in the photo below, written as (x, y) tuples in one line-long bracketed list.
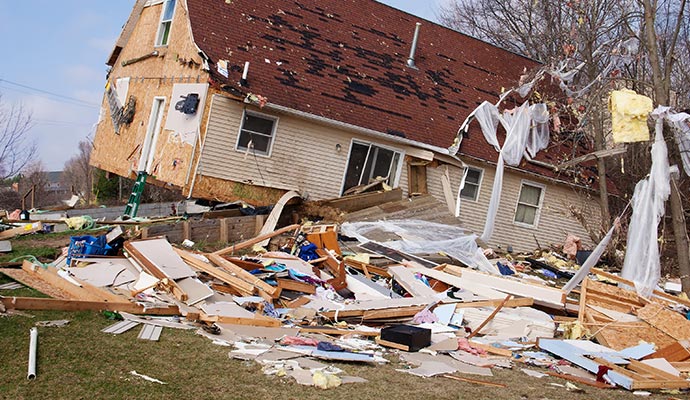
[(629, 112)]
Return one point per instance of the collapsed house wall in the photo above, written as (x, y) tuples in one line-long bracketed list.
[(554, 220), (150, 76)]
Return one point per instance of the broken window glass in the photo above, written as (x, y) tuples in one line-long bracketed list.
[(368, 162), (256, 133), (471, 189), (528, 204)]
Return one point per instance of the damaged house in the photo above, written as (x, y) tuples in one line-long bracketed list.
[(246, 100)]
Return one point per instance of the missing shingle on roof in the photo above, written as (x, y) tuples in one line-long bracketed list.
[(449, 58), (352, 99), (361, 88), (489, 92), (393, 37), (321, 12), (480, 69)]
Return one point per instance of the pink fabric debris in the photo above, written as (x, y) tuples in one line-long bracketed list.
[(571, 246), (298, 341), (464, 344), (424, 317)]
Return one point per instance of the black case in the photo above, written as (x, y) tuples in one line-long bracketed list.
[(411, 336)]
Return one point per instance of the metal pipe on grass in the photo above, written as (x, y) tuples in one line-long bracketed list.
[(33, 341)]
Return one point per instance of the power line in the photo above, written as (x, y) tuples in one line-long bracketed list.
[(74, 100)]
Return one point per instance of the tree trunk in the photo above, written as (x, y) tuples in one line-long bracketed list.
[(661, 82)]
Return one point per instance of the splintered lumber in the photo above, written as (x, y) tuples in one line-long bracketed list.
[(262, 286), (542, 295), (34, 282), (257, 320), (674, 352), (405, 277), (393, 345), (366, 268), (337, 269), (667, 321), (291, 284), (489, 318), (395, 255), (258, 239), (157, 272), (471, 380), (657, 293), (512, 303), (87, 292), (35, 303), (358, 309), (491, 349), (577, 379), (361, 201), (22, 230), (243, 287), (327, 240)]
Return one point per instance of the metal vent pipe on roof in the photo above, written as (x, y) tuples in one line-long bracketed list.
[(410, 59)]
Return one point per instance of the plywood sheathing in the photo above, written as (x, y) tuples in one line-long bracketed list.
[(207, 187), (667, 321)]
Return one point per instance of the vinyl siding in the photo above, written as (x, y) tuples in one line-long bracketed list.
[(303, 156), (554, 221)]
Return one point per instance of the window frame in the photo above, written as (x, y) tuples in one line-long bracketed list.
[(153, 131), (394, 181), (479, 184), (272, 140), (161, 23), (539, 206)]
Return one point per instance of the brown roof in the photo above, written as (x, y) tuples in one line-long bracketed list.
[(346, 60)]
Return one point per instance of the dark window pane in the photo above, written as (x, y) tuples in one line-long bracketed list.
[(525, 214), (258, 124), (530, 195), (355, 165), (469, 191), (473, 176), (383, 163)]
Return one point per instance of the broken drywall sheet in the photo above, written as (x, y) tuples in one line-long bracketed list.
[(195, 290), (105, 272), (186, 109), (161, 253)]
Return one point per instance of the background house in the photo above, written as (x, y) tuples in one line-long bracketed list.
[(320, 96)]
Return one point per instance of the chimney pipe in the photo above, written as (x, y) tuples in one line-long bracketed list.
[(243, 80), (410, 59)]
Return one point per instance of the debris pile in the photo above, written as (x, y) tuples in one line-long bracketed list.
[(299, 298)]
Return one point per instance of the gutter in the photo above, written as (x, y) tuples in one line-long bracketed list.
[(358, 129)]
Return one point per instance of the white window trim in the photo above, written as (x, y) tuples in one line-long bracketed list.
[(479, 184), (273, 133), (395, 182), (160, 24), (537, 215)]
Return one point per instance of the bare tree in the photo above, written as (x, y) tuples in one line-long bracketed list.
[(16, 150), (661, 40), (34, 177), (78, 173)]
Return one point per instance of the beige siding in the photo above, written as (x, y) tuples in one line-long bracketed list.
[(554, 221), (303, 157)]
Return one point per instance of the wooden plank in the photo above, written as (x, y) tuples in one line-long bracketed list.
[(22, 230), (657, 293), (491, 349), (364, 200), (489, 318), (223, 230), (675, 352), (240, 285), (392, 313), (583, 303), (243, 275), (244, 264), (325, 330), (34, 303), (258, 239), (34, 282), (577, 379), (49, 275), (682, 366), (291, 284), (151, 268), (641, 367), (458, 282), (405, 277), (258, 320), (542, 295), (521, 302), (386, 343)]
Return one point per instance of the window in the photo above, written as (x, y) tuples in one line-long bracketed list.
[(368, 161), (152, 132), (529, 204), (166, 23), (256, 133), (473, 180)]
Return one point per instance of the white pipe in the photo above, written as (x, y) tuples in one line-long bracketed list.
[(33, 340), (246, 70)]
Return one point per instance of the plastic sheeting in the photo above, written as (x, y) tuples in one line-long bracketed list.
[(681, 124), (642, 265), (527, 132), (425, 237)]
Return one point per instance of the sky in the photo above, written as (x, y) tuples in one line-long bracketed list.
[(52, 63)]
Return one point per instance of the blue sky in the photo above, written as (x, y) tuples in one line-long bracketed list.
[(61, 47)]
